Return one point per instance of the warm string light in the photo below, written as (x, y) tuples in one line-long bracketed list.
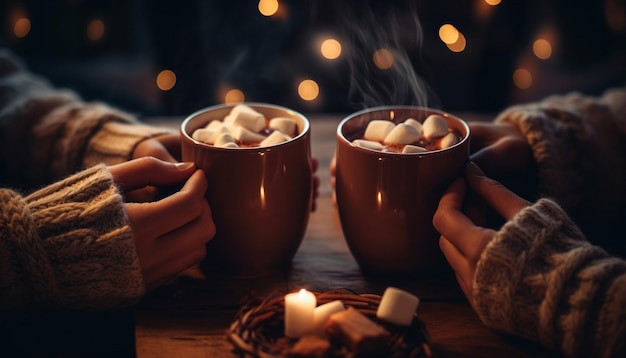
[(522, 78), (452, 37), (383, 59), (268, 7), (542, 49), (166, 80), (308, 90), (95, 30), (493, 2), (330, 49), (233, 96)]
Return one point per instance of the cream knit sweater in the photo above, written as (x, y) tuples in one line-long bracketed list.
[(539, 277), (68, 244)]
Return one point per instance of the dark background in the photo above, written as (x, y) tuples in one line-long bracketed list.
[(211, 45)]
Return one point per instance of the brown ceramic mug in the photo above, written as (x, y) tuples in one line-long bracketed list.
[(260, 197), (386, 201)]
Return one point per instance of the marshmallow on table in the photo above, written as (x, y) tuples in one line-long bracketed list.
[(414, 123), (322, 313), (413, 149), (283, 124), (215, 124), (402, 134), (435, 126), (274, 138), (377, 130), (243, 134), (397, 306), (449, 140), (245, 116), (367, 144)]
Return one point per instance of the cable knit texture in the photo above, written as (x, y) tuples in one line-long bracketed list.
[(539, 277), (68, 245), (579, 147)]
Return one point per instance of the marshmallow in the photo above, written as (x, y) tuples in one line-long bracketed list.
[(243, 134), (274, 138), (397, 306), (413, 149), (435, 126), (414, 123), (449, 140), (322, 313), (245, 116), (402, 134), (283, 124), (377, 130), (223, 139), (202, 135), (367, 144), (229, 145), (215, 124)]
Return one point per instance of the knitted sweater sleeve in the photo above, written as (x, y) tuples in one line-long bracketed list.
[(579, 145), (68, 245), (48, 133), (540, 279)]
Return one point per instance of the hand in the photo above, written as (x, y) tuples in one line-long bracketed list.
[(503, 152), (171, 233), (164, 147), (462, 239)]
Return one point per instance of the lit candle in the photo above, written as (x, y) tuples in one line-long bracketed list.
[(299, 313), (397, 306), (323, 312)]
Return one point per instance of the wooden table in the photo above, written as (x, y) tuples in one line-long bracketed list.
[(189, 317)]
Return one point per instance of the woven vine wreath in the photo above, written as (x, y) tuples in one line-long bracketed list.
[(258, 328)]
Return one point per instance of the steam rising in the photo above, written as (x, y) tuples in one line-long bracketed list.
[(394, 31)]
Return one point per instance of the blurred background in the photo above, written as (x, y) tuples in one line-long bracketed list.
[(158, 58)]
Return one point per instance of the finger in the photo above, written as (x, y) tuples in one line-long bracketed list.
[(497, 196), (467, 289), (459, 263), (166, 271), (174, 211), (482, 135), (142, 195), (188, 237), (505, 156), (145, 171), (171, 142)]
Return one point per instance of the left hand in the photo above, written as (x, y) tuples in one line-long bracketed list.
[(165, 147), (464, 236)]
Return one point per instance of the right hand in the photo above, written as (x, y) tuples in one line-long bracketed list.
[(170, 233), (503, 152)]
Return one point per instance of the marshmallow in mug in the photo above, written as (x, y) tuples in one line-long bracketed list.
[(244, 125), (410, 136)]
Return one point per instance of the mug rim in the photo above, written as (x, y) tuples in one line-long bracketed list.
[(208, 109), (444, 114)]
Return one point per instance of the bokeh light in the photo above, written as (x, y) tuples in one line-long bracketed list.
[(308, 90), (459, 44), (234, 96), (522, 78), (448, 34), (383, 58), (166, 80), (493, 2), (542, 49), (268, 7), (95, 30), (21, 27), (330, 49)]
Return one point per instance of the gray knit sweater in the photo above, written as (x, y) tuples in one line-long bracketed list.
[(69, 243), (539, 277)]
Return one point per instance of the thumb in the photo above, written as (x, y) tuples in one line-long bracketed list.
[(150, 171)]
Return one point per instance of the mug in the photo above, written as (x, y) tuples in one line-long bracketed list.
[(386, 200), (260, 197)]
